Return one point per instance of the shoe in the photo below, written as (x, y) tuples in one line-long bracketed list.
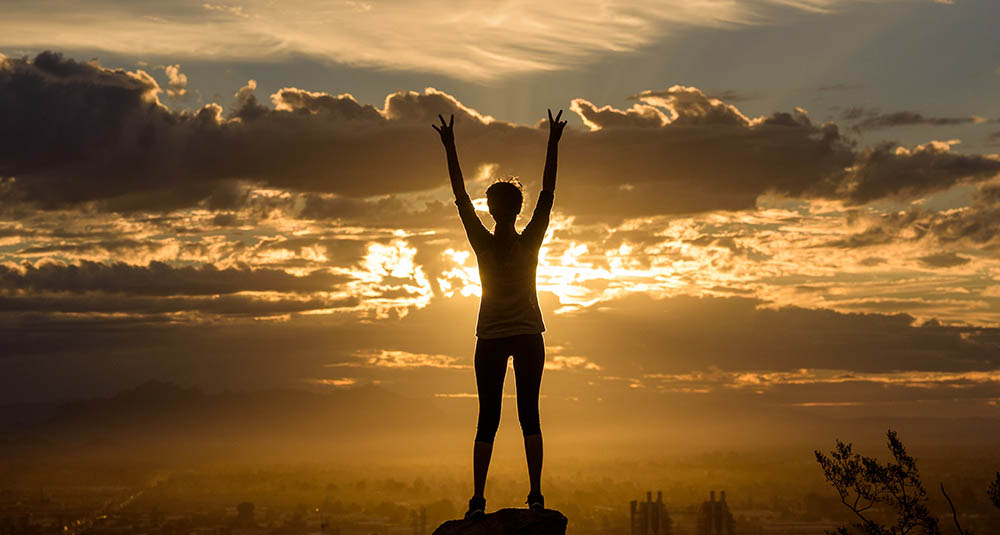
[(535, 501), (477, 509)]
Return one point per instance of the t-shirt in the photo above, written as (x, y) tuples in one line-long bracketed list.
[(509, 305)]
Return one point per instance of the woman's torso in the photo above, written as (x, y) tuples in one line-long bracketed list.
[(509, 305)]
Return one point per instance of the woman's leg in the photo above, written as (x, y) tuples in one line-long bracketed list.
[(529, 361), (481, 454), (491, 366)]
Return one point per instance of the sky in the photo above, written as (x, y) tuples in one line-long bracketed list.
[(770, 203)]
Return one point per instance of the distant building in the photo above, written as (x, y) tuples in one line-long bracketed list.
[(715, 518), (649, 517), (419, 521), (244, 515)]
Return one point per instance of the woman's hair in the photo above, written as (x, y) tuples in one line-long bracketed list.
[(506, 194)]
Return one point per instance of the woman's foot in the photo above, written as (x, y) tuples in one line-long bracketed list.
[(477, 509), (535, 501)]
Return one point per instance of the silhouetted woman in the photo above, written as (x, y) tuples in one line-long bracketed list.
[(510, 322)]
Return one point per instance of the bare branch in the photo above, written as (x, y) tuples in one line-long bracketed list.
[(954, 514)]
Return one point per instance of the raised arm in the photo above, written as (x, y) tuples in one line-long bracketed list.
[(474, 229), (552, 155), (447, 132), (535, 229)]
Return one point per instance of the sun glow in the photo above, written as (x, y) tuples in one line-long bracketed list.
[(391, 280)]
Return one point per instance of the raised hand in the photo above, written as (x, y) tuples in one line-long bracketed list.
[(446, 130), (555, 127), (552, 154)]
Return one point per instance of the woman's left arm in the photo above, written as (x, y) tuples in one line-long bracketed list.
[(535, 230)]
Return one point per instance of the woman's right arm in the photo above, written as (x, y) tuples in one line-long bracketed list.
[(474, 229), (447, 132)]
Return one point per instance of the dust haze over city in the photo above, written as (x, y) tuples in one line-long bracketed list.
[(236, 295)]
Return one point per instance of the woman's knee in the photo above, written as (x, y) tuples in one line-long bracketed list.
[(486, 430), (530, 424)]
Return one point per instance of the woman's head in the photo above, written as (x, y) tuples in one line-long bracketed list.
[(504, 198)]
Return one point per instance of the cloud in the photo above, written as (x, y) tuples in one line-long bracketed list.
[(236, 11), (731, 95), (944, 260), (715, 378), (105, 128), (403, 359), (160, 279), (110, 143), (173, 308), (339, 382), (908, 118), (888, 170), (689, 106), (176, 80), (562, 362), (639, 116), (853, 113), (976, 224), (715, 343), (676, 335), (389, 211), (486, 40)]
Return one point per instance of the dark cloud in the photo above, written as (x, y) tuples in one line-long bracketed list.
[(76, 132), (729, 243), (341, 107), (226, 219), (160, 279), (730, 95), (906, 118), (874, 235), (388, 212), (84, 354), (632, 337), (708, 155), (977, 224), (111, 247), (944, 260), (854, 113), (873, 261), (340, 250), (225, 305), (888, 170), (682, 333)]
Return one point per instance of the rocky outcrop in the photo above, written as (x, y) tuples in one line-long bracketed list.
[(508, 522)]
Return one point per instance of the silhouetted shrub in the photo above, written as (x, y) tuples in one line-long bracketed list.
[(994, 491), (888, 499)]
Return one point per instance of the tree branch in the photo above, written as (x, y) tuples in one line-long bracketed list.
[(954, 515)]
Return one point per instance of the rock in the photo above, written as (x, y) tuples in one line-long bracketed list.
[(508, 522)]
